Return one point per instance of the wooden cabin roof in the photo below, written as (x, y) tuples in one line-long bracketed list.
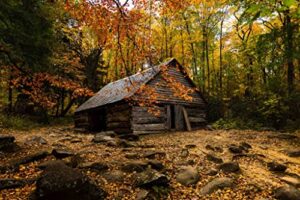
[(123, 88)]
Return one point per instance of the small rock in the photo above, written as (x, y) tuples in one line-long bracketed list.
[(214, 158), (153, 154), (292, 180), (76, 140), (245, 145), (134, 166), (35, 140), (229, 167), (142, 195), (112, 143), (124, 144), (215, 184), (209, 128), (184, 153), (211, 172), (218, 149), (150, 178), (13, 183), (61, 153), (155, 164), (53, 135), (235, 149), (132, 155), (114, 176), (276, 167), (99, 138), (190, 146), (287, 193), (94, 166), (294, 153), (188, 176), (209, 147)]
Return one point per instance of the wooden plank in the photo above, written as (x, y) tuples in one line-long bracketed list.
[(145, 109), (169, 117), (186, 119), (147, 120), (148, 127), (179, 125), (197, 119), (148, 132), (118, 125)]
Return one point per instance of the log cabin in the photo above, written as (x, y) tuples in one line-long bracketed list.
[(145, 103)]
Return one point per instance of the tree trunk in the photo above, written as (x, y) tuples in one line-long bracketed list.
[(10, 93), (289, 52), (221, 58), (91, 64), (207, 62)]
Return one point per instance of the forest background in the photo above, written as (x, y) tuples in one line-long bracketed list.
[(244, 56)]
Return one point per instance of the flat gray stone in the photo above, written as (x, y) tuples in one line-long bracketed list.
[(215, 184), (188, 176), (287, 193)]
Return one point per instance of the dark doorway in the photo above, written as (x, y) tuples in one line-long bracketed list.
[(97, 120), (175, 119)]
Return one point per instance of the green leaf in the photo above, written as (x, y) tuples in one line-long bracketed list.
[(289, 3)]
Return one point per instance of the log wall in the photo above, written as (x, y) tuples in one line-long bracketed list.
[(145, 122), (119, 118), (197, 116), (81, 120), (165, 93)]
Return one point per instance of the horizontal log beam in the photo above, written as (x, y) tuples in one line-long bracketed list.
[(196, 120), (148, 127), (148, 120)]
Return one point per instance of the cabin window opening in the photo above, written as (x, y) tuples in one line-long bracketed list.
[(172, 108)]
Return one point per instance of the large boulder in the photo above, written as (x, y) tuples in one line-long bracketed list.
[(287, 193), (215, 184), (188, 176), (60, 182)]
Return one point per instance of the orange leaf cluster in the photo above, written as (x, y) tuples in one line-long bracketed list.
[(40, 88)]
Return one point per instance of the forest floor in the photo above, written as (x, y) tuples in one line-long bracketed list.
[(173, 150)]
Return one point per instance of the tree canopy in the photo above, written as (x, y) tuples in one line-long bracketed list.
[(242, 55)]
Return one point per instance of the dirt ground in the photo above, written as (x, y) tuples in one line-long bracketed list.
[(254, 181)]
